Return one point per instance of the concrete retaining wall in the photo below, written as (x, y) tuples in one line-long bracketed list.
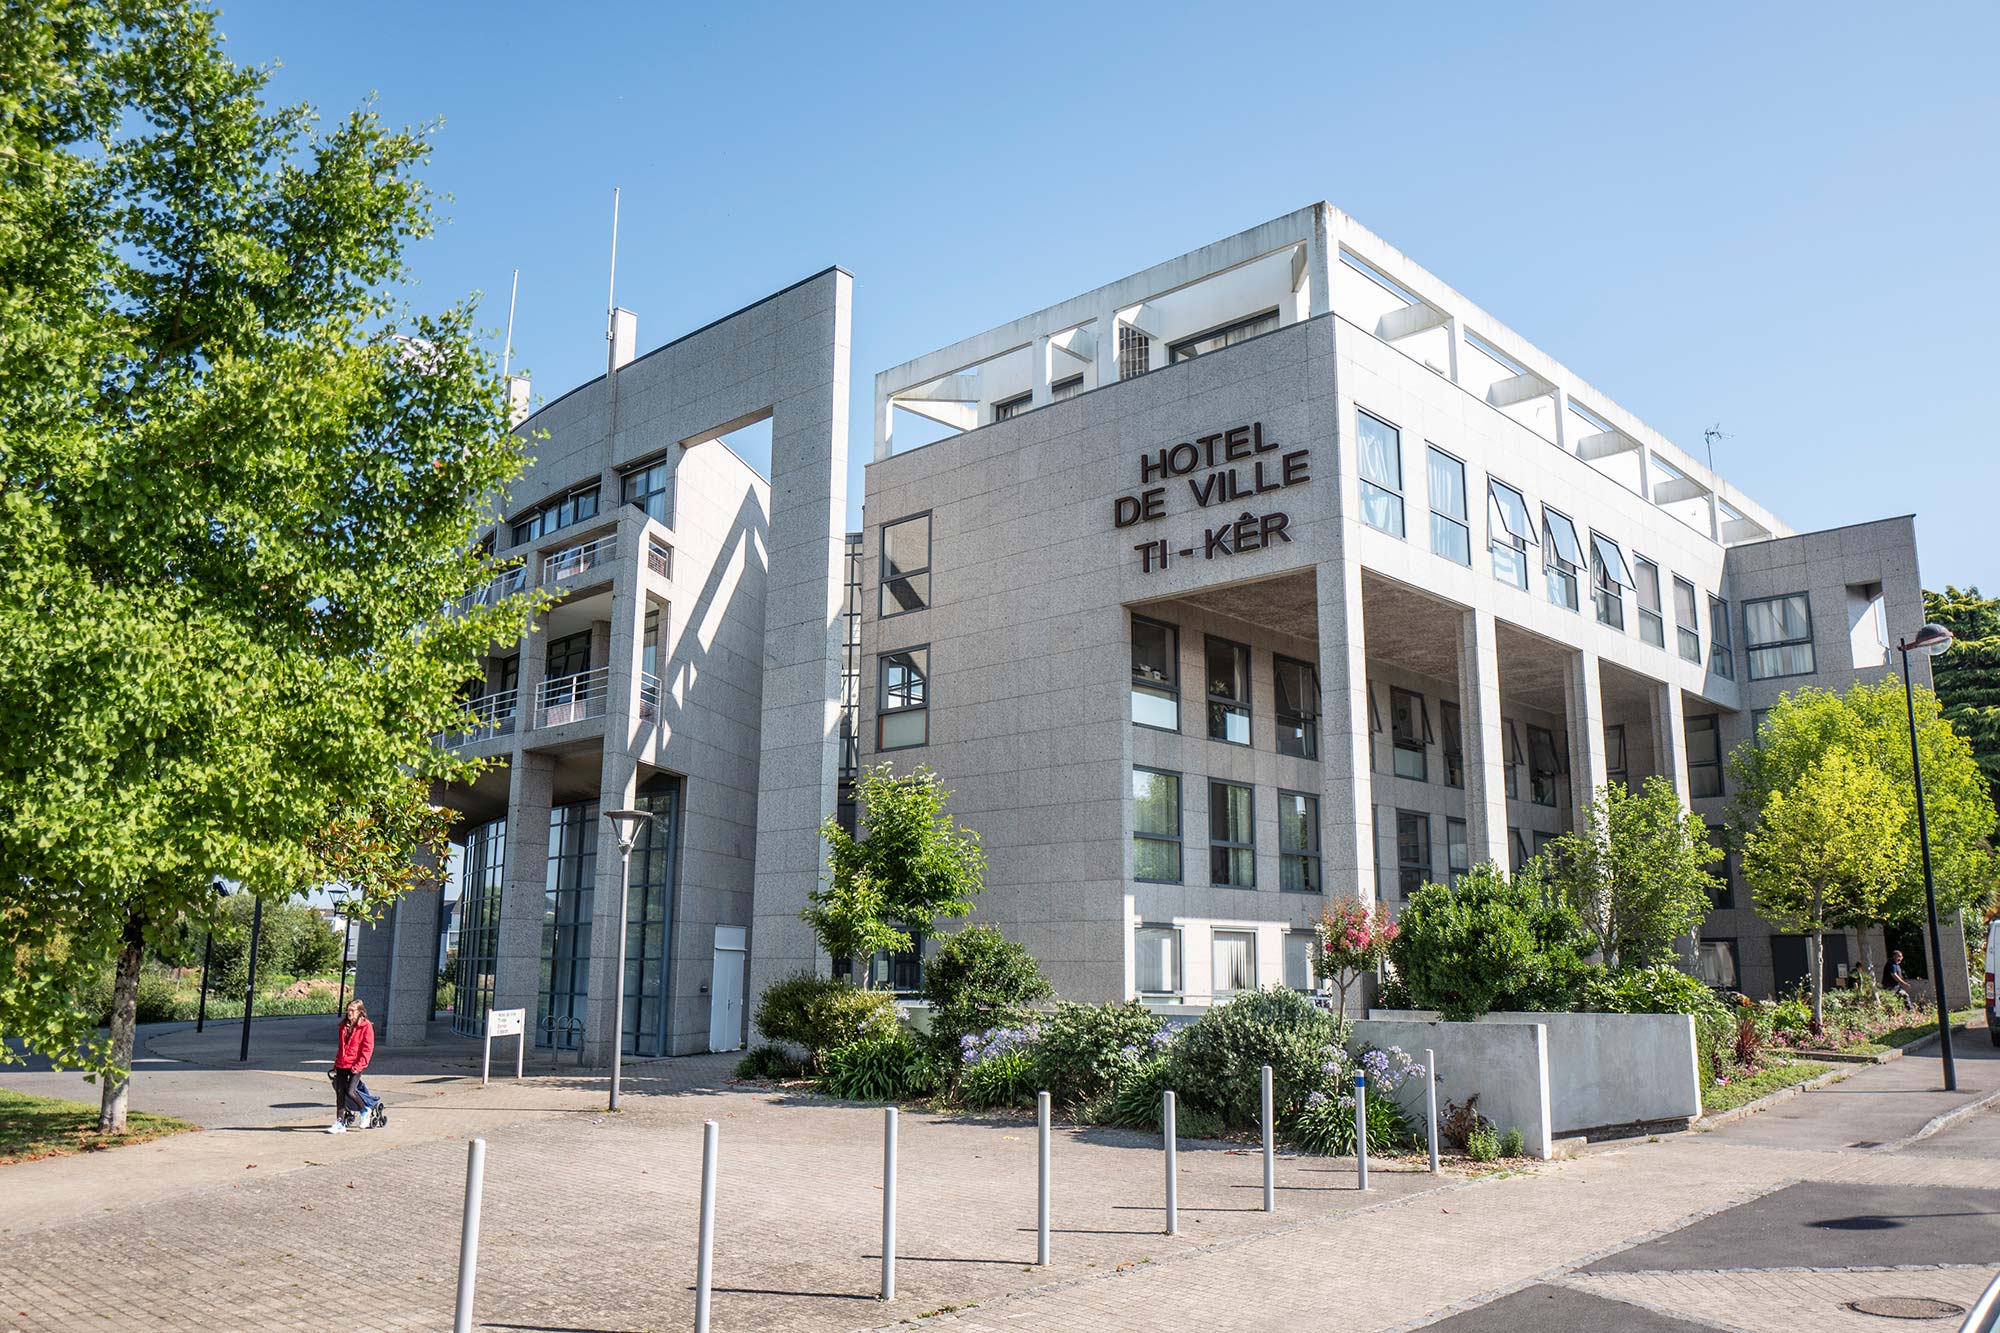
[(1504, 1063)]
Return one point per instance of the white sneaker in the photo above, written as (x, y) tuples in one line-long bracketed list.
[(336, 1128)]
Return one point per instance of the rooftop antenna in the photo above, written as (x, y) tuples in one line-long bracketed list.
[(611, 296), (1709, 437), (507, 351)]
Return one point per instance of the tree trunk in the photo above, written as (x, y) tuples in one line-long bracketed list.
[(1818, 965), (124, 1022)]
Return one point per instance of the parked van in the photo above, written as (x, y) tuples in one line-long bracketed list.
[(1992, 957)]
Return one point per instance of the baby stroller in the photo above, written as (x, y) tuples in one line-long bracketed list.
[(372, 1115)]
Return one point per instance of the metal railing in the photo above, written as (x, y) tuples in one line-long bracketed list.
[(574, 560), (649, 694), (493, 715), (502, 585), (573, 698)]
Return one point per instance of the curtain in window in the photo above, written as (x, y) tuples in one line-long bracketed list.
[(1235, 961)]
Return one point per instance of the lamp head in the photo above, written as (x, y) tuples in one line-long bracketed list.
[(627, 824), (1929, 641)]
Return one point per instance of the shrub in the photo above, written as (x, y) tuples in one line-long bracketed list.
[(821, 1013), (1512, 1144), (157, 998), (1324, 1123), (978, 979), (1489, 942), (1482, 1144), (1457, 1124), (770, 1061), (1084, 1048), (1215, 1062), (1660, 989), (1002, 1080), (878, 1068)]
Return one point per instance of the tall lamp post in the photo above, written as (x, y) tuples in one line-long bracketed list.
[(250, 986), (627, 824), (1929, 641)]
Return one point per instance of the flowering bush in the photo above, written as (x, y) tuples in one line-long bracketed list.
[(1080, 1053), (1216, 1060), (1353, 939), (1322, 1121), (1004, 1078)]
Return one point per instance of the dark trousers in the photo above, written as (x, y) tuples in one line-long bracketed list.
[(344, 1099)]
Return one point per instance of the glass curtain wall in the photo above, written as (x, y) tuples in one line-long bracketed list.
[(649, 917), (481, 873), (566, 914)]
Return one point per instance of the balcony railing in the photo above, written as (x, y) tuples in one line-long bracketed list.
[(649, 694), (574, 560), (502, 585), (493, 715), (573, 698)]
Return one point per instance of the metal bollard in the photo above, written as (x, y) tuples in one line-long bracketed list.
[(1270, 1151), (1431, 1103), (888, 1203), (468, 1237), (1042, 1177), (1173, 1202), (1361, 1129), (704, 1263)]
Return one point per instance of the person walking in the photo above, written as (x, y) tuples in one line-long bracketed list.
[(356, 1046)]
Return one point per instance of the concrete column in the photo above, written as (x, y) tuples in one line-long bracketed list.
[(1320, 259), (1038, 373), (885, 424), (534, 651), (517, 963), (1347, 786), (372, 948), (1456, 330), (1484, 738), (412, 988), (1107, 347), (1560, 399), (1585, 706), (1670, 750)]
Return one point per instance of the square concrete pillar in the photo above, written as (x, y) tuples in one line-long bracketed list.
[(1347, 785), (617, 790), (1484, 739), (413, 964), (1584, 703), (517, 963), (1670, 750)]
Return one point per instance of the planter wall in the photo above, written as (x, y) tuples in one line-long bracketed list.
[(1504, 1063)]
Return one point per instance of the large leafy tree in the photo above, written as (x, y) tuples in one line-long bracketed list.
[(1637, 873), (1869, 722), (912, 868), (238, 481), (1823, 853), (1968, 672)]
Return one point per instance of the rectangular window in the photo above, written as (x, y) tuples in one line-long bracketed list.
[(1686, 630), (1411, 725), (1652, 624), (646, 488), (1715, 963), (1135, 350), (1779, 634), (1298, 842), (906, 565), (1156, 674), (1542, 841), (1297, 707), (1721, 652), (568, 656), (1517, 851), (1704, 742), (1758, 717), (1723, 870), (1562, 557), (1867, 625), (1156, 959), (903, 716), (1380, 446), (1374, 728), (1298, 960), (1228, 691), (566, 918), (1234, 953), (573, 507), (1451, 530), (1608, 580), (1156, 826), (1616, 768), (1065, 389), (1510, 531), (1232, 836), (1013, 406), (1454, 744), (1227, 336), (1544, 765), (1413, 852), (1514, 760)]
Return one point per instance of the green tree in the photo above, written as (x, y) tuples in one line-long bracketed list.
[(912, 868), (1823, 853), (1489, 942), (238, 481), (979, 979), (1637, 875), (1869, 722), (1967, 674)]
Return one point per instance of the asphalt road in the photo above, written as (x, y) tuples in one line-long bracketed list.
[(1551, 1309)]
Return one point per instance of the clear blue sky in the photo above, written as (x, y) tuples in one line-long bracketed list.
[(1778, 217)]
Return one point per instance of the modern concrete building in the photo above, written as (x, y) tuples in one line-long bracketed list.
[(1273, 573)]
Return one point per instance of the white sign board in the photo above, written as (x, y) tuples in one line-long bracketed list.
[(507, 1022)]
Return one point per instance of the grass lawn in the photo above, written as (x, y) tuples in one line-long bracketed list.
[(1916, 1028), (1741, 1090), (32, 1127)]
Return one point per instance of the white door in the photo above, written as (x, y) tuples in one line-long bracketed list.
[(725, 989)]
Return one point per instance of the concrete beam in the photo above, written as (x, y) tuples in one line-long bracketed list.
[(1675, 489), (1079, 343), (1604, 444), (1736, 530), (949, 389), (957, 415), (1519, 389), (1411, 319)]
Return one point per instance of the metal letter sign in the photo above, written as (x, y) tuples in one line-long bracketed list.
[(505, 1023), (1215, 456)]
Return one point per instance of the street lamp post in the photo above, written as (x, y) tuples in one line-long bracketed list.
[(627, 825), (1930, 640)]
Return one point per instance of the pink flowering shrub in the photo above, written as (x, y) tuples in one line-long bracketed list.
[(1353, 938)]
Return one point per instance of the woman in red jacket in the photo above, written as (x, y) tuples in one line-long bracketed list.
[(357, 1044)]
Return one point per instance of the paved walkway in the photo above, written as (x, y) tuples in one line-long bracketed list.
[(589, 1221)]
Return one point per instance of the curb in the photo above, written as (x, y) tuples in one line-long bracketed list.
[(1770, 1099), (1852, 1065)]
